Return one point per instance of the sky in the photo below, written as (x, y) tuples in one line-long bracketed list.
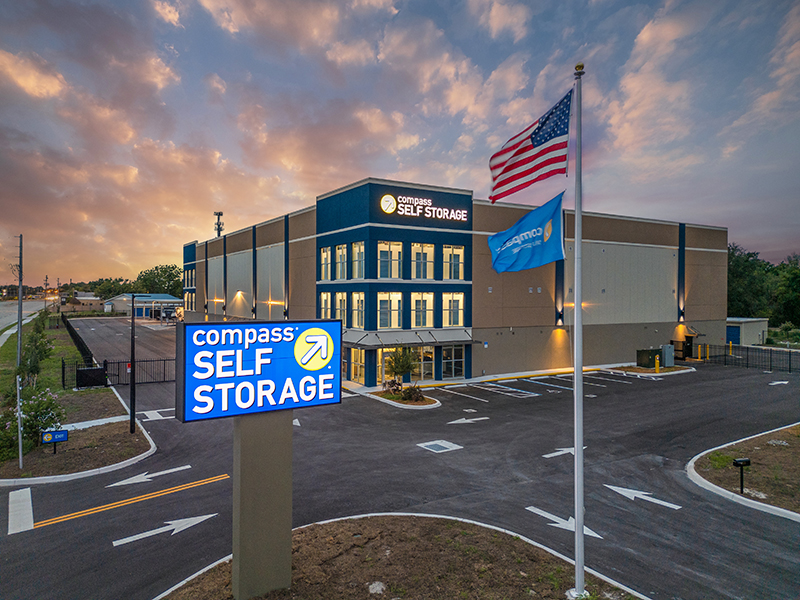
[(125, 125)]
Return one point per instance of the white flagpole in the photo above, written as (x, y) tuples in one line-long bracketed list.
[(578, 591)]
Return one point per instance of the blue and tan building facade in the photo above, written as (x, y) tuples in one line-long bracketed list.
[(408, 265)]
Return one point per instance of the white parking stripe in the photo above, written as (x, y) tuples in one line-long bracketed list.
[(20, 511), (444, 389)]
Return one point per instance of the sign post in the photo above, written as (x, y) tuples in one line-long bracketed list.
[(53, 437), (258, 372)]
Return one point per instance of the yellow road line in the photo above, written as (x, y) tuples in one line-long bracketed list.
[(92, 511)]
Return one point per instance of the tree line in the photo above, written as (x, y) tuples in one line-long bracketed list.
[(161, 279), (758, 288)]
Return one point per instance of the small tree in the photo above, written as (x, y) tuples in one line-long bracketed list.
[(400, 362)]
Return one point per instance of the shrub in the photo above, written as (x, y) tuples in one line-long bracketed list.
[(412, 394), (787, 327), (40, 413)]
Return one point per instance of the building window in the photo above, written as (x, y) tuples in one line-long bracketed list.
[(189, 299), (357, 308), (325, 264), (325, 305), (453, 262), (390, 260), (422, 257), (390, 310), (423, 363), (341, 262), (357, 258), (453, 309), (452, 362), (357, 359), (422, 309), (340, 306)]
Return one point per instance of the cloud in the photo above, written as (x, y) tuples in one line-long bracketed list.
[(498, 16), (96, 121), (300, 24), (387, 5), (32, 74), (652, 108), (169, 13), (217, 88), (359, 53)]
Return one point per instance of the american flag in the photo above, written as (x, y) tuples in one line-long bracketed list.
[(538, 152)]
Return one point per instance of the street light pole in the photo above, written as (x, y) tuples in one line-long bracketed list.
[(133, 363), (19, 351)]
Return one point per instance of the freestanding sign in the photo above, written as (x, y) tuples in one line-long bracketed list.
[(256, 372), (238, 368)]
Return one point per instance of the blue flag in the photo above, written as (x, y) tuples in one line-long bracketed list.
[(536, 239)]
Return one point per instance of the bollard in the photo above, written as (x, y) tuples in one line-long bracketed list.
[(741, 463), (658, 364)]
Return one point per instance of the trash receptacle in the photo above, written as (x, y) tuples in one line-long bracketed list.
[(647, 358), (667, 355)]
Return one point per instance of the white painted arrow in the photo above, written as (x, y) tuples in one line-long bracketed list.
[(145, 477), (296, 422), (560, 451), (174, 526), (560, 523), (634, 494), (465, 420), (779, 383), (320, 344)]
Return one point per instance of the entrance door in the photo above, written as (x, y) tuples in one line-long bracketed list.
[(383, 373)]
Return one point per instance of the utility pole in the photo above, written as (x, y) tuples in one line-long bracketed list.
[(45, 292), (218, 227), (133, 364), (19, 350)]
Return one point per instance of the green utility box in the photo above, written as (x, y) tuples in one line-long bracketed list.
[(647, 358)]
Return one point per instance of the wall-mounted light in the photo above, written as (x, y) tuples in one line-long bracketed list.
[(681, 315), (559, 317)]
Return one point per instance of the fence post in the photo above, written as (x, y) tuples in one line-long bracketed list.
[(770, 359), (105, 370), (63, 375)]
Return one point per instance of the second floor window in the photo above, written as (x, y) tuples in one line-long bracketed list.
[(390, 260), (340, 306), (453, 309), (357, 309), (390, 310), (341, 262), (325, 305), (325, 264), (422, 309)]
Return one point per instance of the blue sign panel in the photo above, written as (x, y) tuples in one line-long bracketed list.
[(51, 437), (237, 368)]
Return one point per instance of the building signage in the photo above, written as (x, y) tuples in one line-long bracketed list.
[(412, 206), (52, 437), (235, 368)]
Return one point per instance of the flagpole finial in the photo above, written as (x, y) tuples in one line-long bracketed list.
[(579, 70)]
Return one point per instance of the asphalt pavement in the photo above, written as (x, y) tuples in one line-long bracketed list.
[(500, 455)]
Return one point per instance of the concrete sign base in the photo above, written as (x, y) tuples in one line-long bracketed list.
[(262, 503)]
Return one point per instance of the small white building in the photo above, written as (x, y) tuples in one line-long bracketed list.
[(147, 305), (747, 332)]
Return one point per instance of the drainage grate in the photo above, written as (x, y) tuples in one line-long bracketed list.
[(440, 446)]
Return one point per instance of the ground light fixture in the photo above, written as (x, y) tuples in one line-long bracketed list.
[(741, 463)]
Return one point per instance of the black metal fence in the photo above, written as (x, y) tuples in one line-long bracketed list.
[(88, 359), (83, 373), (753, 357)]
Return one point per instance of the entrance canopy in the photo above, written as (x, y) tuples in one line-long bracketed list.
[(358, 338)]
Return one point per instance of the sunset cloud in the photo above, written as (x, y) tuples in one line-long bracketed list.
[(498, 16), (32, 74)]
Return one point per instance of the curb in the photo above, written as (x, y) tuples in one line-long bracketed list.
[(429, 516), (400, 404), (703, 483)]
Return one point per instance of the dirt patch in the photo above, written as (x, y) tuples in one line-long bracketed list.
[(410, 557), (773, 476), (88, 405), (86, 449)]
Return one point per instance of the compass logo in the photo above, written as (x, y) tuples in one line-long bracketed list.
[(388, 204)]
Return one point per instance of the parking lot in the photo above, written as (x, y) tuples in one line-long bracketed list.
[(495, 452)]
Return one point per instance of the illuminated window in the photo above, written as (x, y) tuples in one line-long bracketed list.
[(452, 362), (340, 306), (325, 305), (357, 258), (422, 257), (390, 260), (390, 310), (423, 363), (453, 262), (357, 308), (453, 309), (341, 262), (422, 309), (325, 264)]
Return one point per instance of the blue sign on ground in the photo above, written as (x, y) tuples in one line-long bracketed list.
[(51, 437), (237, 368)]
